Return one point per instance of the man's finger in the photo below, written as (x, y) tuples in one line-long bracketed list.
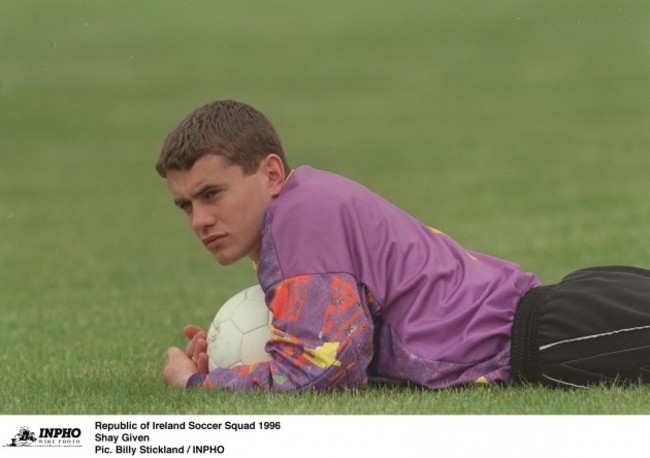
[(192, 330), (202, 363), (200, 346)]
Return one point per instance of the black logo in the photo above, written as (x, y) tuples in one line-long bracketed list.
[(47, 437), (24, 438)]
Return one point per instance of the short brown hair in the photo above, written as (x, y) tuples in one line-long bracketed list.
[(233, 130)]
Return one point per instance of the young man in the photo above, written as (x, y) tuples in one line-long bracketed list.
[(361, 291)]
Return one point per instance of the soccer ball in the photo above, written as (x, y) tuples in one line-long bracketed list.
[(240, 330)]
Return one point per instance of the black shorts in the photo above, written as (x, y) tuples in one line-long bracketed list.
[(591, 328)]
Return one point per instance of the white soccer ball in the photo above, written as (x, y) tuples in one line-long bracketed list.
[(240, 330)]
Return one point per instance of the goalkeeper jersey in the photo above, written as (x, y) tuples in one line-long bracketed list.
[(362, 291)]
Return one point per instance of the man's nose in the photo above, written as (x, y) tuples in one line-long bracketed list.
[(202, 218)]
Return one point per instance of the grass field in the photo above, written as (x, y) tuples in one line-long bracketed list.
[(521, 128)]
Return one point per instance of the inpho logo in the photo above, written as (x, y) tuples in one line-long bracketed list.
[(65, 433), (47, 437)]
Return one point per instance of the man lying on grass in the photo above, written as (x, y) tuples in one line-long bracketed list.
[(361, 291)]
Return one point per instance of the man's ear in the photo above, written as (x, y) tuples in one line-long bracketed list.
[(273, 170)]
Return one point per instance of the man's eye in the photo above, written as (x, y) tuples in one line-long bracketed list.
[(185, 206)]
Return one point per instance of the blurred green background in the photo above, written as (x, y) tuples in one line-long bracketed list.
[(520, 128)]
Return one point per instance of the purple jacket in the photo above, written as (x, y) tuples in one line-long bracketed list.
[(362, 291)]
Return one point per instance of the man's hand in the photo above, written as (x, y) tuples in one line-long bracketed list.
[(179, 368), (197, 347), (181, 365)]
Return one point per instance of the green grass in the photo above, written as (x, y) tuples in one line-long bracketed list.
[(518, 127)]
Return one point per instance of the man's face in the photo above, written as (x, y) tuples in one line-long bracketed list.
[(225, 208)]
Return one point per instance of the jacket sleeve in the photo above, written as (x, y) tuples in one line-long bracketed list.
[(322, 339)]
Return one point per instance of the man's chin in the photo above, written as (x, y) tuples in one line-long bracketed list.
[(224, 259)]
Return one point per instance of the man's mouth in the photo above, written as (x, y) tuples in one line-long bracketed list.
[(212, 241)]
